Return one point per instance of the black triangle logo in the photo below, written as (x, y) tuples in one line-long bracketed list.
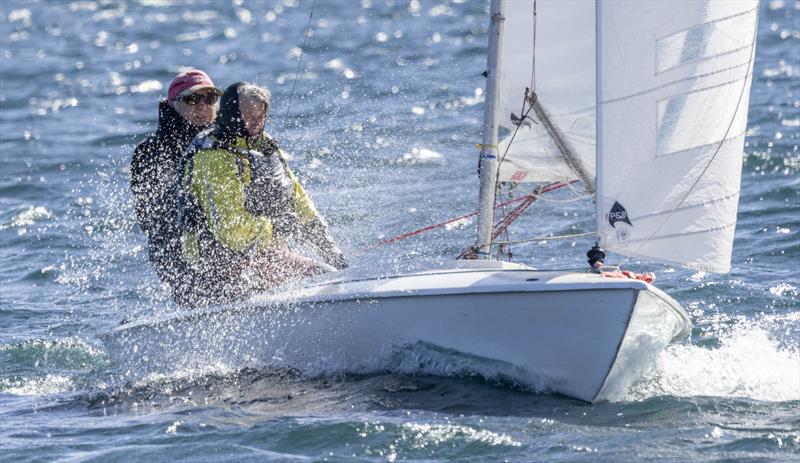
[(618, 214)]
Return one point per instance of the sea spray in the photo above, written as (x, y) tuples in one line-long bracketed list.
[(749, 363)]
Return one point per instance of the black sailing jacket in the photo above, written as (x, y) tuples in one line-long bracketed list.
[(154, 181)]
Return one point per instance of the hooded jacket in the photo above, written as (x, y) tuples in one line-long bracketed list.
[(155, 165), (155, 170), (219, 181)]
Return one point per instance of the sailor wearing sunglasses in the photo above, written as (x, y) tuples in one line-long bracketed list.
[(199, 108), (190, 107)]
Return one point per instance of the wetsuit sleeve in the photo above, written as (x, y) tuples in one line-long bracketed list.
[(220, 192)]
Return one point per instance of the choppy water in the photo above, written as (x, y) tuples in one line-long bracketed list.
[(382, 126)]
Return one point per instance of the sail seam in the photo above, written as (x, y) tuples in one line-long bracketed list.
[(673, 235), (710, 87), (680, 81), (705, 145), (713, 157), (659, 40), (662, 86), (691, 206), (705, 58), (735, 15), (691, 265)]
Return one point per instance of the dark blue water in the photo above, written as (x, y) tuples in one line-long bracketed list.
[(382, 127)]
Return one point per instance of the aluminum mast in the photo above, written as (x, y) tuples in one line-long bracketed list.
[(488, 153)]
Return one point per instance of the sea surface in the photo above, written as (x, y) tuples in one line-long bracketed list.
[(381, 122)]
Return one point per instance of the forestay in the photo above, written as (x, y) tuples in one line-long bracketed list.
[(674, 84), (560, 69)]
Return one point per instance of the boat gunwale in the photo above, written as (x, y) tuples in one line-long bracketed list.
[(191, 314)]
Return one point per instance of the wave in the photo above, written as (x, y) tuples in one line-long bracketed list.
[(39, 367), (27, 217), (748, 363)]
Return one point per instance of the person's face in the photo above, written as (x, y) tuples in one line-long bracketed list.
[(254, 113), (199, 108)]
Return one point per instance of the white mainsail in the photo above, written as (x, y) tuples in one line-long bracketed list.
[(673, 81), (674, 84), (559, 43)]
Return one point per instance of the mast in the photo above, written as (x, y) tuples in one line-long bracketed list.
[(488, 154), (598, 79)]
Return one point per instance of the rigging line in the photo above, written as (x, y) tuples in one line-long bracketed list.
[(523, 115), (713, 157), (546, 238), (565, 201), (504, 217), (523, 112), (547, 188), (527, 98), (299, 61), (527, 200), (502, 226), (533, 74), (580, 193)]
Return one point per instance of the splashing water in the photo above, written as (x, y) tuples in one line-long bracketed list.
[(382, 129), (748, 363)]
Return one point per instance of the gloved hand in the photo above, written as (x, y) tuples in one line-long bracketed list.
[(316, 234), (335, 258)]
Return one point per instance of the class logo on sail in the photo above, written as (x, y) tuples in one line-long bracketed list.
[(618, 214)]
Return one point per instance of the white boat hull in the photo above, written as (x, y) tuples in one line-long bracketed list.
[(577, 334)]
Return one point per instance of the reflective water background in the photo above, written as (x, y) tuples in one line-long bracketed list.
[(382, 127)]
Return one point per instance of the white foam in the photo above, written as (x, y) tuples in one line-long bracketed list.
[(28, 217), (50, 384), (423, 435), (748, 363)]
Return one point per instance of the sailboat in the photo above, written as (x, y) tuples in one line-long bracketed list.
[(646, 104)]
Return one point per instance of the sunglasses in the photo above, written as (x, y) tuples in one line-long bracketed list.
[(196, 98)]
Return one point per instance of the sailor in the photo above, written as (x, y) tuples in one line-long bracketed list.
[(242, 204), (190, 107)]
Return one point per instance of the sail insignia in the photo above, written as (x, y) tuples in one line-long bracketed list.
[(618, 214)]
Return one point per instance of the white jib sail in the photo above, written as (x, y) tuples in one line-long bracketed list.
[(564, 82), (674, 85)]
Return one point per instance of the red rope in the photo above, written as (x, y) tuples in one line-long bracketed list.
[(502, 226), (423, 230), (514, 214), (525, 201)]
